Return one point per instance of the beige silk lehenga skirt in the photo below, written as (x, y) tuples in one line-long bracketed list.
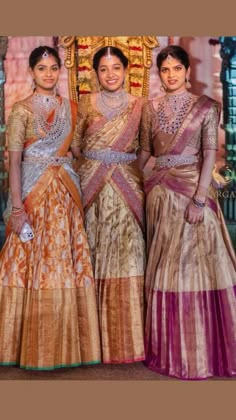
[(190, 287), (118, 258)]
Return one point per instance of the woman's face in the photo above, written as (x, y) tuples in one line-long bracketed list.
[(45, 74), (173, 75), (111, 73)]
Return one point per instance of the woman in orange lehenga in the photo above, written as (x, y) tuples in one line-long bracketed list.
[(48, 316), (113, 202), (190, 280)]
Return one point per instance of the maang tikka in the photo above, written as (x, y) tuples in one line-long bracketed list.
[(169, 58), (45, 54)]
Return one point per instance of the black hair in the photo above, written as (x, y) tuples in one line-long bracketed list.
[(37, 54), (176, 52), (104, 52)]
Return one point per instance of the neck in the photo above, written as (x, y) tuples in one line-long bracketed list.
[(182, 92), (46, 93), (112, 93)]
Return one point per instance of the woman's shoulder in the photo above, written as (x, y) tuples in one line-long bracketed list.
[(210, 100), (152, 104), (21, 108)]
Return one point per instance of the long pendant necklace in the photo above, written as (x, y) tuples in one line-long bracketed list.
[(112, 104), (172, 110)]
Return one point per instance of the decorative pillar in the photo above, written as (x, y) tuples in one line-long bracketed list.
[(228, 79), (3, 173)]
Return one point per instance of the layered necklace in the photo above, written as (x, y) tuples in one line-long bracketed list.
[(172, 110), (112, 104), (42, 105)]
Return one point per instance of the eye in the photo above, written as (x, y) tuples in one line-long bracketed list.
[(178, 68), (40, 68), (117, 67), (164, 70), (55, 68)]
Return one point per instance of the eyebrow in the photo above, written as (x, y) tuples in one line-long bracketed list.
[(116, 64), (43, 65), (177, 65)]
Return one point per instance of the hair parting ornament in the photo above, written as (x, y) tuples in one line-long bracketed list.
[(169, 58), (108, 56), (45, 54)]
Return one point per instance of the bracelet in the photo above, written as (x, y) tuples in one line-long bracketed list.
[(198, 203), (17, 211), (16, 208)]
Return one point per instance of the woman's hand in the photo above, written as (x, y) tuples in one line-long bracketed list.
[(6, 162), (194, 214), (17, 221)]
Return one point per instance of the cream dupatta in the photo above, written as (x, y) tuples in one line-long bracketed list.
[(117, 135)]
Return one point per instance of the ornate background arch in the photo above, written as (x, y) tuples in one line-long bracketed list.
[(79, 53)]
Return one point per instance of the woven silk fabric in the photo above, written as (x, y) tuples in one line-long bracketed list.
[(48, 314), (190, 330), (113, 201)]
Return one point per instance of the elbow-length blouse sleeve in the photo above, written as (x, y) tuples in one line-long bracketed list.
[(146, 128), (210, 128), (16, 128)]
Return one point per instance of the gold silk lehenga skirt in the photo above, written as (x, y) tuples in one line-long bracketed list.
[(48, 316), (190, 285), (118, 257)]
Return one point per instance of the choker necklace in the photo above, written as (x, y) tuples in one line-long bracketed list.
[(112, 104), (172, 110), (42, 105), (45, 103)]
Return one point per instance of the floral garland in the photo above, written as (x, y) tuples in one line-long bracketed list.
[(136, 66), (84, 65)]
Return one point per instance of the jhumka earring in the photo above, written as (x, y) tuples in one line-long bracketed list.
[(188, 84), (56, 90), (33, 85), (162, 88)]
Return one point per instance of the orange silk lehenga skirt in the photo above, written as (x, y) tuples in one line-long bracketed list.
[(48, 316)]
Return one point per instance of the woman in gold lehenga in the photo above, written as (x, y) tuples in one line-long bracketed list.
[(190, 279), (114, 207), (48, 316)]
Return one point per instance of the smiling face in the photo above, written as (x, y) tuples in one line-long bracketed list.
[(173, 75), (111, 73), (45, 74)]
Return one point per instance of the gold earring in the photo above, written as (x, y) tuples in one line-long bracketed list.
[(188, 84), (33, 85), (162, 88)]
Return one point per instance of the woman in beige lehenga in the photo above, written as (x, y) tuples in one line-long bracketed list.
[(190, 280), (113, 202)]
